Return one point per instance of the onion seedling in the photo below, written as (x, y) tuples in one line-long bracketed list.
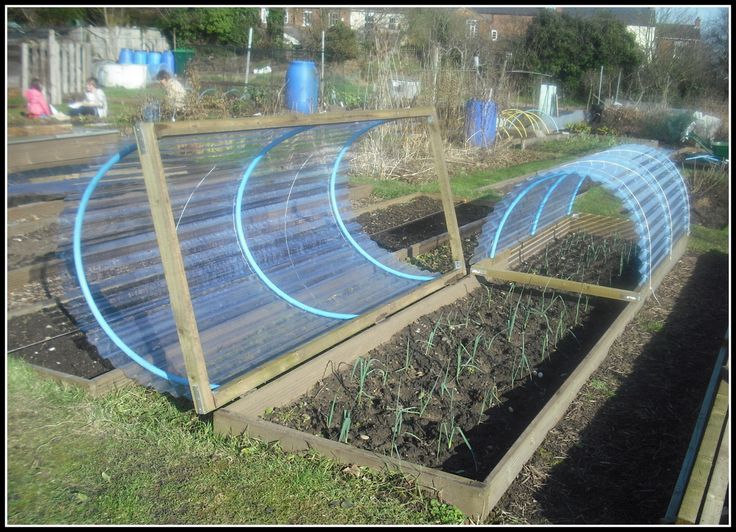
[(345, 428), (450, 435), (364, 370), (332, 412), (426, 398)]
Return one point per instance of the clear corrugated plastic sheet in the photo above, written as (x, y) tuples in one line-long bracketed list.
[(272, 253), (649, 185)]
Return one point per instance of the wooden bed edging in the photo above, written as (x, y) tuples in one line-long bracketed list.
[(30, 153), (476, 499), (700, 492), (96, 387)]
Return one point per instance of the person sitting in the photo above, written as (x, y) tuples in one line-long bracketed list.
[(176, 94), (94, 104), (36, 104)]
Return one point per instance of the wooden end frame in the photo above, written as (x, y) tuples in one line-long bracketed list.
[(486, 270), (497, 268), (204, 397)]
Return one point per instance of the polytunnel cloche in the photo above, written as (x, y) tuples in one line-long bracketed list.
[(272, 254), (643, 178)]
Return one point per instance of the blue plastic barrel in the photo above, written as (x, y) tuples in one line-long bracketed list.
[(480, 122), (139, 57), (154, 63), (126, 56), (301, 87), (154, 58), (167, 61)]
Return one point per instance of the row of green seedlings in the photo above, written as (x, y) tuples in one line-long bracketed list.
[(567, 250), (518, 316), (448, 429), (465, 361)]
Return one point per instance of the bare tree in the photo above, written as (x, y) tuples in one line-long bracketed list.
[(677, 69)]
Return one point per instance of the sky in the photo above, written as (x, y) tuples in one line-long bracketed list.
[(705, 13)]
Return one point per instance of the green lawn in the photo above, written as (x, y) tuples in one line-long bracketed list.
[(474, 185), (136, 457), (703, 239), (598, 200)]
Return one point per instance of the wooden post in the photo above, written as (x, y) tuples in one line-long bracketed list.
[(54, 84), (86, 62), (247, 58), (77, 67), (73, 66), (71, 47), (33, 60), (448, 204), (42, 66), (435, 70), (176, 280), (64, 68), (25, 79)]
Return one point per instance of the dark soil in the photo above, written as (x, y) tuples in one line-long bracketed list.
[(616, 455), (456, 389), (710, 210), (400, 226), (50, 339)]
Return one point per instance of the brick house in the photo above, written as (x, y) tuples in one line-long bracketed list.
[(297, 20), (673, 38), (499, 25)]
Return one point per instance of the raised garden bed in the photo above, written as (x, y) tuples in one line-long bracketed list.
[(49, 341), (471, 380)]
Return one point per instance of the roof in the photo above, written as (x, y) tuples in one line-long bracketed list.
[(630, 16), (513, 11), (678, 31)]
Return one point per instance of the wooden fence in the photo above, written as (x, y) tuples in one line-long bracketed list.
[(62, 65)]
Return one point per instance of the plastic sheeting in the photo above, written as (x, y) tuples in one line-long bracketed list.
[(272, 254), (643, 178)]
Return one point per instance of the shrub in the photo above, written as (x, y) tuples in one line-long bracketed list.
[(667, 127), (627, 121), (579, 127), (606, 131), (664, 126)]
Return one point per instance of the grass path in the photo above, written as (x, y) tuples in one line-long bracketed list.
[(136, 457)]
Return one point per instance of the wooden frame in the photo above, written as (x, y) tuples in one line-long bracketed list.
[(204, 397), (60, 149), (97, 386), (497, 268), (475, 498), (700, 492)]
